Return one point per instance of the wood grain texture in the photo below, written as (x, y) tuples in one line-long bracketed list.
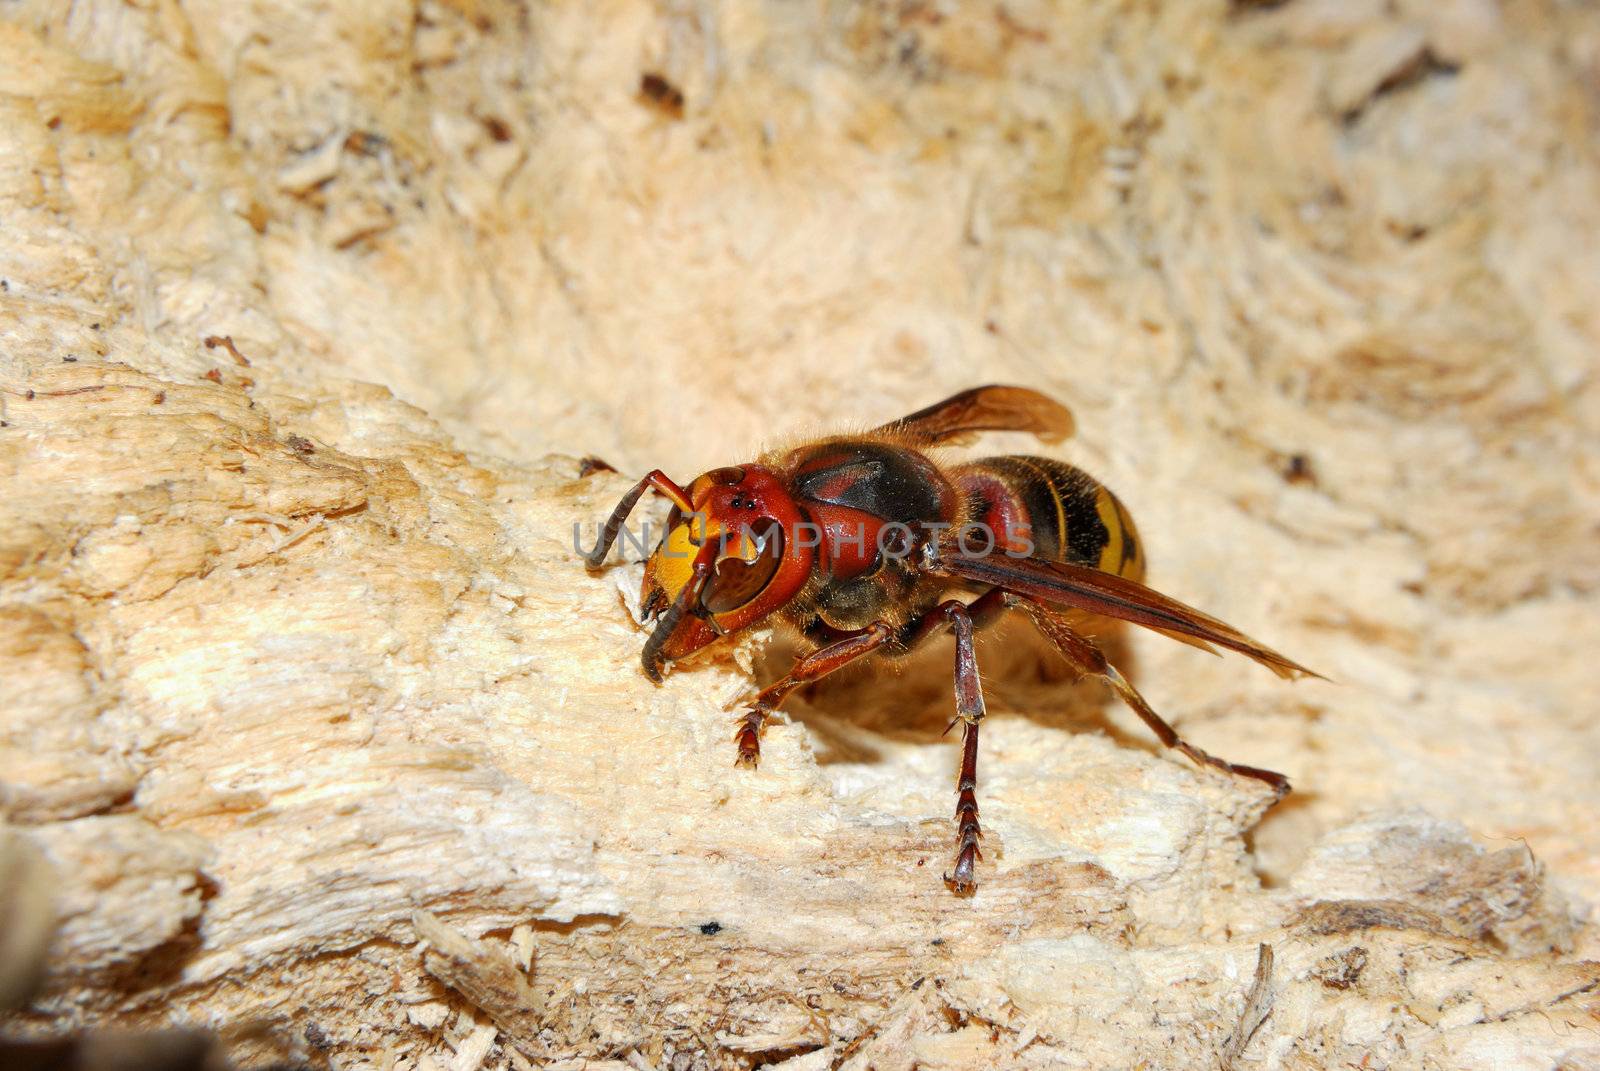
[(295, 649)]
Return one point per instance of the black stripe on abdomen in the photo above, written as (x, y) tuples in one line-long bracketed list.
[(1059, 502)]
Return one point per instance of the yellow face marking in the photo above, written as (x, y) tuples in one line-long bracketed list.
[(673, 562)]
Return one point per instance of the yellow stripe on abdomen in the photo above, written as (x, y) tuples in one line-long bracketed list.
[(1123, 554)]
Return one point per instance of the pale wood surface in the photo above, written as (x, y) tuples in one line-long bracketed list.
[(330, 744)]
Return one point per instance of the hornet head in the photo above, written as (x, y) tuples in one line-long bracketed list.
[(739, 555)]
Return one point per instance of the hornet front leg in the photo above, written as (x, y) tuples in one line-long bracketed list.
[(814, 666)]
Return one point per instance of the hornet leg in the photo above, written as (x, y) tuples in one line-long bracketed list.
[(1086, 658), (843, 651), (964, 619), (814, 666), (969, 710)]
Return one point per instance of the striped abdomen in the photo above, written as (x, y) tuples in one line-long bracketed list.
[(1066, 514)]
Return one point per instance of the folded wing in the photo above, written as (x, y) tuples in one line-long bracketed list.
[(1092, 591), (993, 408)]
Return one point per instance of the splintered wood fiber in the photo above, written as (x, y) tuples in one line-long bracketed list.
[(316, 734)]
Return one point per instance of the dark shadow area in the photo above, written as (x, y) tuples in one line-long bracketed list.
[(911, 700)]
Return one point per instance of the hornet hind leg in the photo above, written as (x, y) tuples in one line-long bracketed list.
[(1086, 658)]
